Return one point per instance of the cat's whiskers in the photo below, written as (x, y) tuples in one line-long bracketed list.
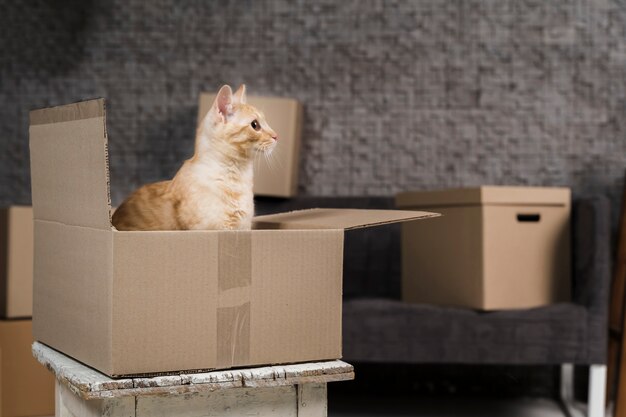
[(267, 161), (273, 162), (277, 160)]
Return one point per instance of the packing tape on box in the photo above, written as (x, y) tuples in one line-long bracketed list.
[(233, 335), (233, 322), (235, 260)]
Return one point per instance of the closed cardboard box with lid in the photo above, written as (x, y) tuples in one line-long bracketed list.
[(493, 247), (26, 386), (16, 262), (137, 302)]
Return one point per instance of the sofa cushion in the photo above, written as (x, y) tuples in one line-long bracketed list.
[(383, 330)]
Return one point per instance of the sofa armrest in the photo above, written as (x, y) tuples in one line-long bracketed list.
[(591, 254)]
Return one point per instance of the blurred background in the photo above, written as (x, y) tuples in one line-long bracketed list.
[(397, 95)]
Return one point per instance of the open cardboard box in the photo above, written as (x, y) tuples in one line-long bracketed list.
[(131, 303)]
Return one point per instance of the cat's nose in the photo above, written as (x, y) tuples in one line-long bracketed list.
[(275, 136)]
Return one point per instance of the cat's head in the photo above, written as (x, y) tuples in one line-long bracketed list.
[(239, 124)]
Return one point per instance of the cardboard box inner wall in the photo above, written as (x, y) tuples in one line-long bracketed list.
[(276, 175), (130, 303), (16, 262), (27, 387), (493, 247)]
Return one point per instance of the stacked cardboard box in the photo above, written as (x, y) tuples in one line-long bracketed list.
[(130, 303), (493, 248), (26, 387)]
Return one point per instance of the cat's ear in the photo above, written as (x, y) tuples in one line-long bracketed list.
[(240, 95), (223, 104)]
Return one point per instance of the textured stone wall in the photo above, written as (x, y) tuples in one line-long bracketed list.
[(397, 94)]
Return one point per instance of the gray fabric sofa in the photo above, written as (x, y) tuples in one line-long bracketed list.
[(379, 328)]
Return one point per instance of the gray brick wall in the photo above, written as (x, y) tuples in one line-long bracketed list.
[(397, 94)]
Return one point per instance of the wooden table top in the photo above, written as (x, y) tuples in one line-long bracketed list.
[(88, 383)]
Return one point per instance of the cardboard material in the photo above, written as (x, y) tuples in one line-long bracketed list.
[(16, 262), (486, 195), (493, 248), (345, 219), (277, 175), (130, 303), (76, 194), (26, 386)]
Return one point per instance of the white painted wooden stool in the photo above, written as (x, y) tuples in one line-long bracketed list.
[(297, 390)]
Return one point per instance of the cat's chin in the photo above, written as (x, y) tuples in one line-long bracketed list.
[(267, 149)]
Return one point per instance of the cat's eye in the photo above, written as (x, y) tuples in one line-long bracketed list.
[(255, 125)]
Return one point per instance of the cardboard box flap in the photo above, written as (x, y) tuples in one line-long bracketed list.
[(485, 195), (346, 219), (69, 164)]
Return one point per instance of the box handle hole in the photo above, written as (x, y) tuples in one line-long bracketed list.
[(531, 218)]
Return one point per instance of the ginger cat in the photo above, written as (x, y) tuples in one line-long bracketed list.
[(213, 189)]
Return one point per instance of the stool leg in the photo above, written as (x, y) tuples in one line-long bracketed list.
[(59, 410), (68, 404), (312, 400)]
